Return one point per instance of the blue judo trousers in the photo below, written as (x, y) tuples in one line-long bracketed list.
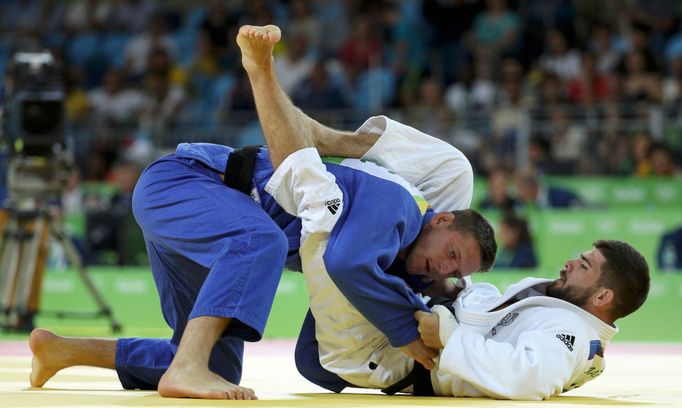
[(213, 252)]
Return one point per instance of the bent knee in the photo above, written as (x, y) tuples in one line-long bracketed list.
[(275, 240)]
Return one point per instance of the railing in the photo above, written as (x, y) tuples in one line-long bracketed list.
[(506, 132)]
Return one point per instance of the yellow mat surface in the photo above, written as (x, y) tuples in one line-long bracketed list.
[(636, 376)]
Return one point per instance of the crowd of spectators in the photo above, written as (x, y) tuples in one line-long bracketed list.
[(589, 83), (524, 88)]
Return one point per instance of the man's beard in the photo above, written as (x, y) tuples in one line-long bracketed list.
[(578, 297)]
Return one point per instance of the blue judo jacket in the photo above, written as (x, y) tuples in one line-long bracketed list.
[(379, 219)]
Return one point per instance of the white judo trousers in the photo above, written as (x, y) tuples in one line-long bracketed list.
[(349, 345)]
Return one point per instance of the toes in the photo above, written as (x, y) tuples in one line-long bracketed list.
[(247, 393), (240, 393), (268, 33)]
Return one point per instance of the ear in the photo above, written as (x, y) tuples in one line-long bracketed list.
[(603, 297), (442, 217)]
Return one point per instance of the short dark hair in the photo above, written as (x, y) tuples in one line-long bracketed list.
[(473, 223), (626, 272)]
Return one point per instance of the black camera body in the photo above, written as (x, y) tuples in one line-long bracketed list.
[(34, 127), (34, 110)]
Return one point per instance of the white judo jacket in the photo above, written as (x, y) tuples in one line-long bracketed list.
[(532, 349)]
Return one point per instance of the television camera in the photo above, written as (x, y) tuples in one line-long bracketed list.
[(38, 166)]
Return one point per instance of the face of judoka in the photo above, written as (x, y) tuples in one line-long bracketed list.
[(440, 251), (579, 279)]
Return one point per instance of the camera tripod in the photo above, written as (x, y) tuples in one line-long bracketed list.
[(24, 233)]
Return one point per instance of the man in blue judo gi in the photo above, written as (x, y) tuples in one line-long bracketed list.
[(217, 251)]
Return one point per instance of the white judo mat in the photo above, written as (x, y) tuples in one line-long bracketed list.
[(636, 375)]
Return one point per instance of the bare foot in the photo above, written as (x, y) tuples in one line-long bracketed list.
[(47, 358), (194, 382), (256, 43)]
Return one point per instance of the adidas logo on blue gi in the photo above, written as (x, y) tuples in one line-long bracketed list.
[(567, 339), (333, 205)]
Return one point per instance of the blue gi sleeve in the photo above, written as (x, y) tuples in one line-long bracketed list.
[(361, 247)]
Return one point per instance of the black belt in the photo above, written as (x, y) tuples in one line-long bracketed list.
[(420, 377), (239, 168)]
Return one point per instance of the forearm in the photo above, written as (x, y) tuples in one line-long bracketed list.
[(331, 142), (287, 129)]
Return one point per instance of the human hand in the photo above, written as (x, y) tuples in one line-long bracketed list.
[(429, 329), (422, 354)]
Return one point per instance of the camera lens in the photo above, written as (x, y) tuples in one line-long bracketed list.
[(41, 117)]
